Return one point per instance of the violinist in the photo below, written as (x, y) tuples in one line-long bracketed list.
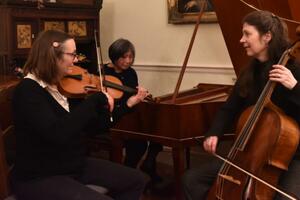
[(122, 55), (265, 38), (50, 159)]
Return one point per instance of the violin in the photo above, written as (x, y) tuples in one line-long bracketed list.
[(79, 82)]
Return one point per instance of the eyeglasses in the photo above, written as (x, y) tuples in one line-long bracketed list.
[(74, 55)]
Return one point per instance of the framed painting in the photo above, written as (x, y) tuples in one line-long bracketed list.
[(77, 28), (187, 11), (54, 25), (24, 36)]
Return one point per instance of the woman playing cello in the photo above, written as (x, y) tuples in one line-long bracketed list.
[(264, 39)]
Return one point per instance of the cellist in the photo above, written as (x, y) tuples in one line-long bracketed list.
[(264, 37)]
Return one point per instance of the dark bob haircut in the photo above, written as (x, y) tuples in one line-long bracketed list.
[(118, 48)]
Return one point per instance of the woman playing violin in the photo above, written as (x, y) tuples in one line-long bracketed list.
[(122, 54), (51, 162), (264, 37)]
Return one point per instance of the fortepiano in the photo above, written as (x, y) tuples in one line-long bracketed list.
[(176, 124)]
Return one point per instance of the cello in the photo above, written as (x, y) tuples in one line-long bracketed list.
[(262, 162)]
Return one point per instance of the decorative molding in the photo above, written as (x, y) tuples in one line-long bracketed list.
[(190, 69), (162, 79)]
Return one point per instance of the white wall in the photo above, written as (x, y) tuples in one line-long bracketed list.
[(161, 47)]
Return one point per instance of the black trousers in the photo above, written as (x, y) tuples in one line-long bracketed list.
[(197, 182), (135, 149), (123, 183)]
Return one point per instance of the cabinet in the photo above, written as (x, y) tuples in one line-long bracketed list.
[(22, 20)]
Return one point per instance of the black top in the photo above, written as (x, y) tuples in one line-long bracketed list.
[(49, 139), (287, 100), (128, 78)]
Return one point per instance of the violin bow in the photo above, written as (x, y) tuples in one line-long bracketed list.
[(255, 177), (99, 59), (100, 65), (199, 141)]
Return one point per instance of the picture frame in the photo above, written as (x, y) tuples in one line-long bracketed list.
[(24, 36), (54, 25), (79, 2), (187, 11), (77, 28)]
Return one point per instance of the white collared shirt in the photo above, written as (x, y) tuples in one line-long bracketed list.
[(52, 89)]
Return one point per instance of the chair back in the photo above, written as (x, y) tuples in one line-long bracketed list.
[(7, 138)]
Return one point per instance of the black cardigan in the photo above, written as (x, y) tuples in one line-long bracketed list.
[(287, 100), (49, 139), (128, 78)]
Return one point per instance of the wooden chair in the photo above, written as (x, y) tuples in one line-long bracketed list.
[(8, 144), (7, 140)]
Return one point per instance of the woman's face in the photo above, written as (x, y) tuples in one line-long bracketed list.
[(69, 56), (124, 62), (256, 45)]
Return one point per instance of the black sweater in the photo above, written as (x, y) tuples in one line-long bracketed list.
[(128, 78), (287, 100), (49, 139)]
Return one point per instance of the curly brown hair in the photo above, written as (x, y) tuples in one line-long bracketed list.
[(264, 22)]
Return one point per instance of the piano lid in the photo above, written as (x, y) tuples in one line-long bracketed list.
[(230, 17)]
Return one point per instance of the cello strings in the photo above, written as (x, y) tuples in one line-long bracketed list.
[(247, 129), (262, 101), (256, 178)]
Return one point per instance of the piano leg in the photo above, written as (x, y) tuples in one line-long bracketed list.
[(178, 151), (178, 162), (117, 146)]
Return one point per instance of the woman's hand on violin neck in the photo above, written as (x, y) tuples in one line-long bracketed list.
[(283, 75), (210, 144), (110, 101), (140, 96)]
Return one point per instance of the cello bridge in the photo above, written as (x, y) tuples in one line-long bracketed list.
[(230, 178)]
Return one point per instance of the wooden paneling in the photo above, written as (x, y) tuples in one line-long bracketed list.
[(7, 85), (295, 7), (17, 13)]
